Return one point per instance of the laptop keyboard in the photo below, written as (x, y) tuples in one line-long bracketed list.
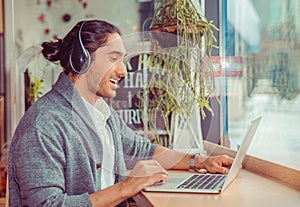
[(202, 181)]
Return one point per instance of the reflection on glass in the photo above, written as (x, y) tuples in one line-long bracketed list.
[(265, 35)]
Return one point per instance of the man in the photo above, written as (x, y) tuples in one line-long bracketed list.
[(71, 149)]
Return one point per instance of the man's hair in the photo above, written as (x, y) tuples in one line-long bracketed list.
[(93, 35)]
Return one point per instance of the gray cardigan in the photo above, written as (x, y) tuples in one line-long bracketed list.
[(55, 155)]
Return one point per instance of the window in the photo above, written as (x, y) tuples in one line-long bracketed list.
[(262, 37)]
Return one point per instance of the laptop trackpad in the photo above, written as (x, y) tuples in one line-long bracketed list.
[(174, 180)]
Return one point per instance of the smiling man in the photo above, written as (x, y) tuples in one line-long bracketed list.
[(71, 149)]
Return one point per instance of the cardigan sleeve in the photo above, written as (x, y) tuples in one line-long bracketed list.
[(135, 147), (38, 169)]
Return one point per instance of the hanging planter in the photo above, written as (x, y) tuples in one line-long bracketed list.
[(182, 77), (182, 18)]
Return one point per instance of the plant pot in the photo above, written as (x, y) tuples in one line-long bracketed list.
[(166, 36), (187, 132)]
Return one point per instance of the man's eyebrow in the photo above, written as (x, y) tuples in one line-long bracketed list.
[(115, 52)]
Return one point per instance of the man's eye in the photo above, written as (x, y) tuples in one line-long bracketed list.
[(114, 58)]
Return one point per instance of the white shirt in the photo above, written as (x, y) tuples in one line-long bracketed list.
[(100, 113)]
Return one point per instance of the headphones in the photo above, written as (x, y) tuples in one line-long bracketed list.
[(80, 58)]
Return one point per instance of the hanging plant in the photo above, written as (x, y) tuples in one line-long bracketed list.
[(181, 71)]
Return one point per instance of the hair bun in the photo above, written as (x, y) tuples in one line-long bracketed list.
[(51, 50)]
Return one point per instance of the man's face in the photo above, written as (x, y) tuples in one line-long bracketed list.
[(107, 68)]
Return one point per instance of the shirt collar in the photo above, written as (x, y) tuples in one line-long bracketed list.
[(100, 111)]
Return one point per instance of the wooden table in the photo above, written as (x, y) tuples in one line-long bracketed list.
[(259, 183), (248, 189)]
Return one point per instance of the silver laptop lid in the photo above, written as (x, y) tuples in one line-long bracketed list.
[(242, 151)]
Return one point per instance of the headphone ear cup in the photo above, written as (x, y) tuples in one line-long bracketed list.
[(80, 58)]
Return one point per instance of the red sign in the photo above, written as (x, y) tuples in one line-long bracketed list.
[(228, 66), (233, 66)]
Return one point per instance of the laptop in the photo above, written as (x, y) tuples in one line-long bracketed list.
[(208, 183)]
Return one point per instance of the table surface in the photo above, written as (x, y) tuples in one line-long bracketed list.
[(248, 189)]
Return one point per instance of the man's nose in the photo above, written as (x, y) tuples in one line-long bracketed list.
[(122, 71)]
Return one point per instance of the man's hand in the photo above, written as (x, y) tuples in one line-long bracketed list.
[(215, 164), (145, 173)]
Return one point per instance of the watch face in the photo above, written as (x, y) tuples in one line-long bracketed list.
[(192, 162)]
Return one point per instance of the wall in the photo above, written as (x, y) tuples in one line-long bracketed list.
[(32, 18), (2, 104), (2, 82), (1, 17), (2, 98), (37, 21)]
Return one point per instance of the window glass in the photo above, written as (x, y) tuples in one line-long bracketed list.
[(262, 61)]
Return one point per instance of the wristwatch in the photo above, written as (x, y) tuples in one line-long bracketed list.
[(192, 162), (193, 167)]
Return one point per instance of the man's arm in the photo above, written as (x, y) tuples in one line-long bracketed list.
[(145, 173), (173, 160)]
